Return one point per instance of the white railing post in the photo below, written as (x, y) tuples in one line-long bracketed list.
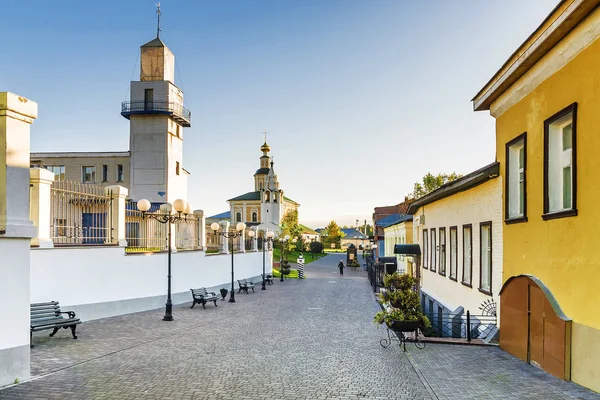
[(16, 231), (255, 241), (118, 195), (243, 241), (199, 214), (40, 180), (168, 209), (225, 244)]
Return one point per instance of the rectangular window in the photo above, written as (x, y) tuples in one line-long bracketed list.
[(453, 252), (88, 174), (485, 257), (560, 173), (119, 172), (104, 173), (425, 250), (148, 99), (177, 167), (58, 170), (178, 131), (442, 257), (467, 259), (515, 204), (433, 252)]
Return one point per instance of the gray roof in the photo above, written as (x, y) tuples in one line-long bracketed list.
[(156, 42), (467, 182), (262, 171), (352, 233), (223, 215)]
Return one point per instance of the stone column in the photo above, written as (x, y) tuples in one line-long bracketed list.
[(201, 229), (255, 241), (118, 195), (16, 231), (225, 244), (41, 180)]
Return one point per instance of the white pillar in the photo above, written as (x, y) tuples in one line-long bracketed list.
[(41, 180), (199, 214), (16, 231), (118, 195), (255, 241), (225, 244)]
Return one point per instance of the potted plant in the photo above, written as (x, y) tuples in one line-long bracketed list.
[(285, 267), (402, 309)]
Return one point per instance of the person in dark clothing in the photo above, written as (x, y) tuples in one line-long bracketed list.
[(341, 267)]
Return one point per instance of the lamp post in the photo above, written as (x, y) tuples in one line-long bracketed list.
[(283, 243), (265, 240), (230, 235), (181, 206)]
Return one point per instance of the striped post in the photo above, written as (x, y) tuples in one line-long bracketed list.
[(300, 263)]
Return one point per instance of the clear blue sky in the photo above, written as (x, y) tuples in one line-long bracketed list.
[(361, 97)]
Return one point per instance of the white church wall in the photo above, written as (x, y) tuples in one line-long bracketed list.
[(100, 282)]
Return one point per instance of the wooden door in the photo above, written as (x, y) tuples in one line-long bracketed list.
[(536, 326)]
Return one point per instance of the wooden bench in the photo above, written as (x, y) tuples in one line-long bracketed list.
[(49, 316), (201, 296), (245, 285)]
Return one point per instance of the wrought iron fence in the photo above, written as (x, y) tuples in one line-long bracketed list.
[(375, 272), (463, 325), (144, 234), (80, 214)]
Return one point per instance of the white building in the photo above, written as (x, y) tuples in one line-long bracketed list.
[(459, 229), (153, 166), (398, 231)]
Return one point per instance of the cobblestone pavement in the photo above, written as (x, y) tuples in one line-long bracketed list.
[(310, 339)]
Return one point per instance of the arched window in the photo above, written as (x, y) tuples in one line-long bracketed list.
[(275, 197), (268, 196), (254, 217), (260, 183), (238, 217)]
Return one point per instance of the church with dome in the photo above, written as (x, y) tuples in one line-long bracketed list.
[(266, 205)]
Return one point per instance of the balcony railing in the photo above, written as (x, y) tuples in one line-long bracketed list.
[(179, 113)]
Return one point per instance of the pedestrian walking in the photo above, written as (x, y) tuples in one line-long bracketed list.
[(341, 267)]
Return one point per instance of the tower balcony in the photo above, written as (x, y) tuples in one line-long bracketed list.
[(179, 113)]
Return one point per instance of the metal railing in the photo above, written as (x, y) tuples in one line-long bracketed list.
[(80, 214), (463, 325), (156, 107), (375, 272)]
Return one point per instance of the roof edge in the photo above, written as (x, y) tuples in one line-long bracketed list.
[(466, 182)]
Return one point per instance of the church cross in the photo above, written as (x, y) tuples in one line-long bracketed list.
[(265, 132)]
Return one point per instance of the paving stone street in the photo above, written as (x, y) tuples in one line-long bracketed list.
[(299, 339)]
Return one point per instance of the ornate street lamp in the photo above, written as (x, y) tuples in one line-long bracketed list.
[(181, 206), (230, 235), (265, 240), (283, 243)]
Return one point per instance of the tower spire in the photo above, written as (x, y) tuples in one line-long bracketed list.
[(158, 20)]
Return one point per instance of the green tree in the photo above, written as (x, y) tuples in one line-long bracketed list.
[(431, 182), (333, 234), (290, 226)]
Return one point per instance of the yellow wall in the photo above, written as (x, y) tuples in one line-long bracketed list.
[(562, 253)]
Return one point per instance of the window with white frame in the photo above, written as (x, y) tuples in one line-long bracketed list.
[(515, 186), (453, 252), (560, 163), (58, 170), (485, 257), (433, 252), (88, 174), (254, 217), (238, 217), (467, 259), (120, 174)]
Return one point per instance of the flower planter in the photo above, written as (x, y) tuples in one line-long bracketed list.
[(404, 326)]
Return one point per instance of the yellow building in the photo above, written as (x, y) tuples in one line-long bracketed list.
[(266, 205), (545, 99)]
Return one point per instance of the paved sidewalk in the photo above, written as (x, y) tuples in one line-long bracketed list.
[(307, 339)]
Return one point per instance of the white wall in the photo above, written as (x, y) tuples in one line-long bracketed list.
[(87, 276), (479, 204)]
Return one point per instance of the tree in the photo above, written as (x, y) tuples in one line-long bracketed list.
[(333, 234), (290, 226), (432, 182), (316, 247)]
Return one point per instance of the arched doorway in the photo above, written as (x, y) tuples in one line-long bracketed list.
[(533, 326)]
